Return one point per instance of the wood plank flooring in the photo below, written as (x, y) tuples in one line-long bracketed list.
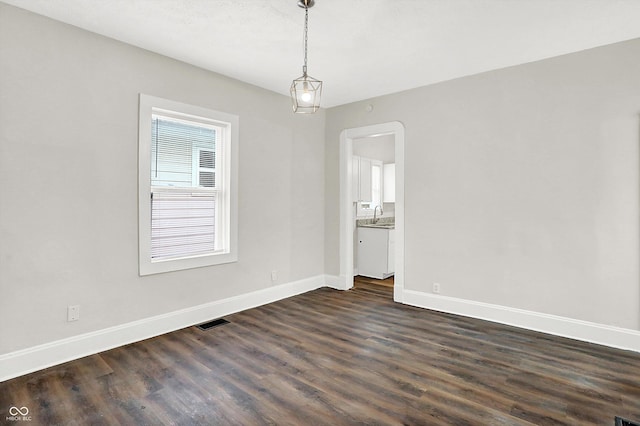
[(330, 358), (359, 280)]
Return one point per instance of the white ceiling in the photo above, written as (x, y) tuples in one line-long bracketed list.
[(359, 48)]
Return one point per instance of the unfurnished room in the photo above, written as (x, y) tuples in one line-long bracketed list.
[(320, 212)]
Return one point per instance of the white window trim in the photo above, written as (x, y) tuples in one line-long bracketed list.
[(228, 153)]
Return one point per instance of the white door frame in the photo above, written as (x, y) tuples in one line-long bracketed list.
[(346, 202)]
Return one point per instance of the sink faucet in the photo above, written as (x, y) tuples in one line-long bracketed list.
[(375, 209)]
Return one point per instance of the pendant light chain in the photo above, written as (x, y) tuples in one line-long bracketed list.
[(306, 31)]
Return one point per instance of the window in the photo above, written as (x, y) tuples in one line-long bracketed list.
[(187, 186), (376, 184), (371, 172), (204, 172)]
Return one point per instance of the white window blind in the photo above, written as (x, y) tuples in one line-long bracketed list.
[(177, 145), (183, 198), (182, 224)]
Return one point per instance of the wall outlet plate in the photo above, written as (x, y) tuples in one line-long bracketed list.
[(73, 312), (436, 288)]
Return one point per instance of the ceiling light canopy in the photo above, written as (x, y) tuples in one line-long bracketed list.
[(306, 90)]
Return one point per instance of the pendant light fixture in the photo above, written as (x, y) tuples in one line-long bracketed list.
[(306, 90)]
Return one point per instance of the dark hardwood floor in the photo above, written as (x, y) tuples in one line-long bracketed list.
[(329, 358), (360, 280)]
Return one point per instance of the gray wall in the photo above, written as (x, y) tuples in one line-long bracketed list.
[(521, 184), (68, 183)]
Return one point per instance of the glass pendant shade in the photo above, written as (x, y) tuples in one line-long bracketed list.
[(305, 94), (306, 90)]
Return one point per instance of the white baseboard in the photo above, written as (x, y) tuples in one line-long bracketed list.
[(25, 361), (615, 337)]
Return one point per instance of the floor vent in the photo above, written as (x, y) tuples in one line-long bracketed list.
[(211, 324), (622, 422)]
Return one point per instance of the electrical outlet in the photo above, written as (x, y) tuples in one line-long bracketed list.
[(73, 313), (436, 288), (274, 276)]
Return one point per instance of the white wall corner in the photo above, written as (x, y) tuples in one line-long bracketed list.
[(615, 337), (398, 294), (337, 282), (32, 359)]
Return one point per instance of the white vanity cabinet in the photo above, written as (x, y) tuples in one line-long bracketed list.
[(376, 248)]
